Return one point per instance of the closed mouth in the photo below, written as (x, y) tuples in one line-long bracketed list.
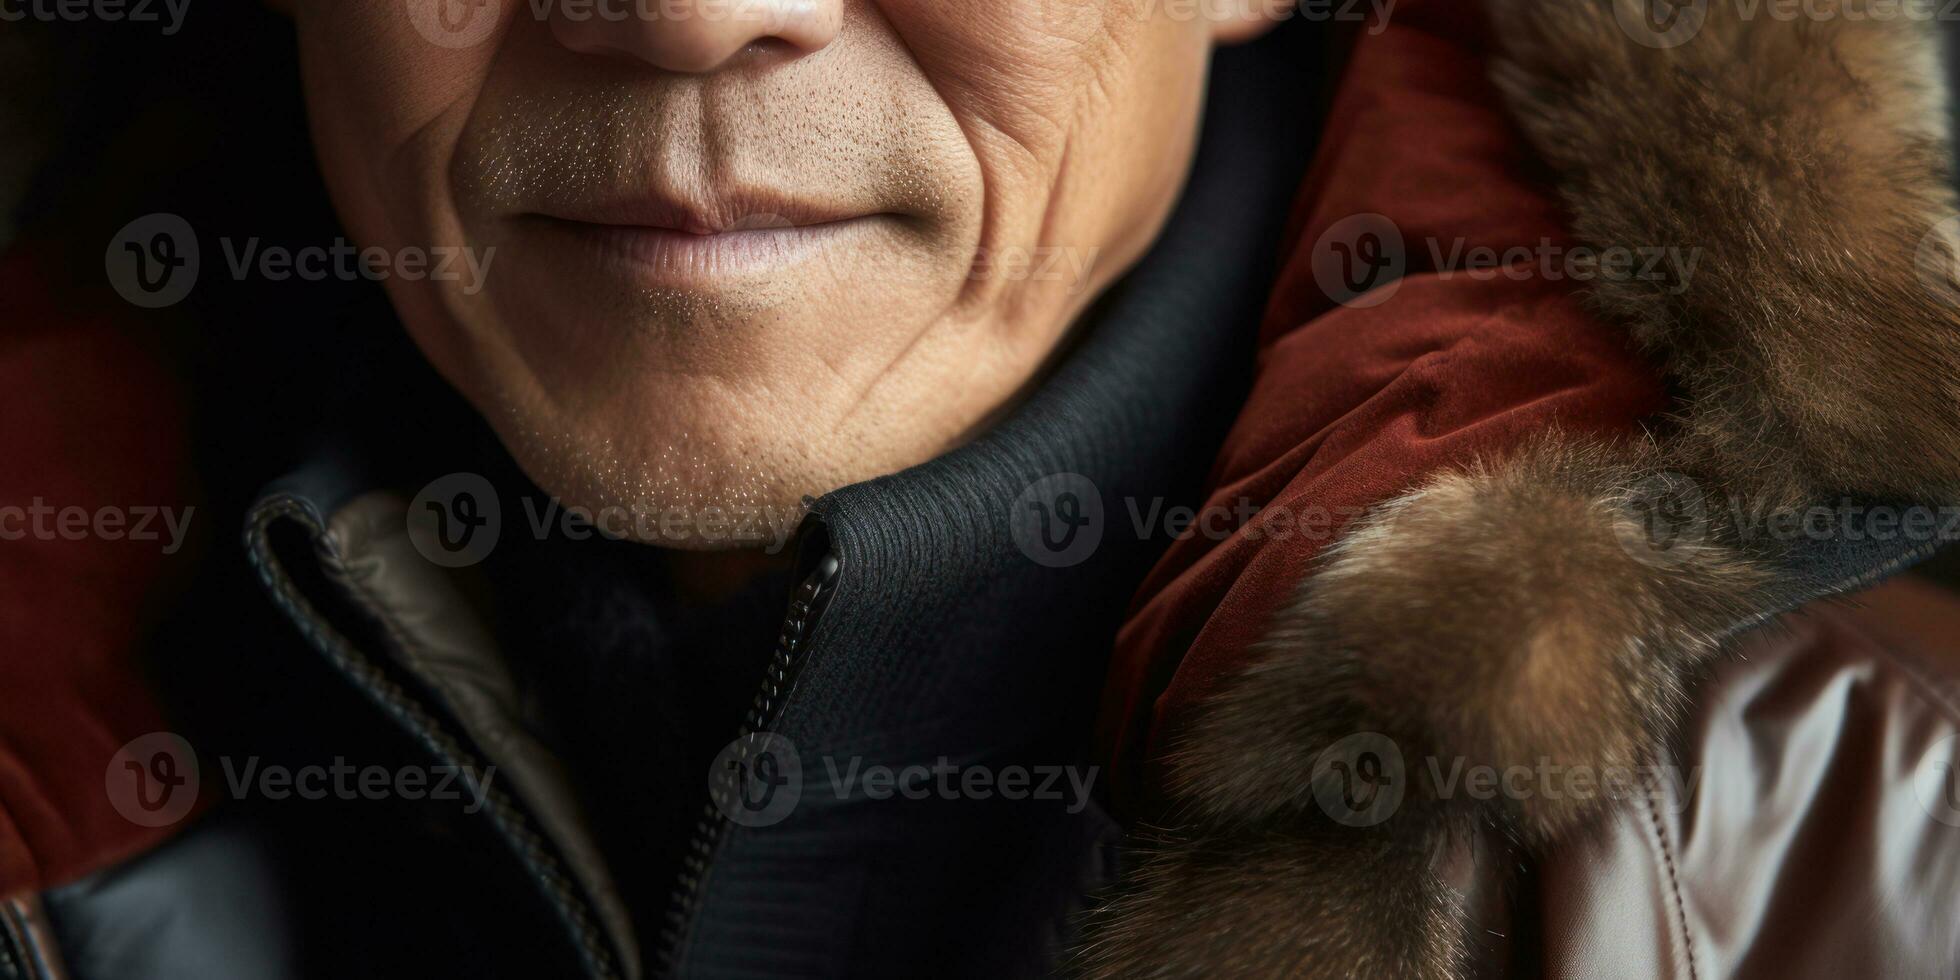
[(684, 257)]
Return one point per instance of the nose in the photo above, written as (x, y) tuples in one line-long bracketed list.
[(693, 36)]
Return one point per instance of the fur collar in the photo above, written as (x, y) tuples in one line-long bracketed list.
[(1496, 613)]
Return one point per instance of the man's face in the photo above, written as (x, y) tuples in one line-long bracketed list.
[(741, 251)]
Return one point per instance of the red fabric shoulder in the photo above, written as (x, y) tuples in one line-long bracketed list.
[(92, 427), (1357, 402)]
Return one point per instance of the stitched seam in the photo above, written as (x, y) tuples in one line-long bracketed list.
[(30, 958), (13, 955), (404, 639), (1673, 883), (511, 822), (399, 635)]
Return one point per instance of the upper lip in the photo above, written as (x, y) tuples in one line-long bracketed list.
[(748, 210)]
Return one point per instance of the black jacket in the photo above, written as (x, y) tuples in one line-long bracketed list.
[(934, 639)]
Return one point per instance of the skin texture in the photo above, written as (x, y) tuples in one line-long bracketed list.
[(742, 253)]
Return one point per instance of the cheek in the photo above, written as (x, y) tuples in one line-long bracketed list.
[(383, 62), (386, 105), (1082, 114)]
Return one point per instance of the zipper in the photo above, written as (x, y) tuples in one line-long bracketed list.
[(806, 604), (510, 819)]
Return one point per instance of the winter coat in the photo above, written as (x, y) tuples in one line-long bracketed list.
[(1309, 595)]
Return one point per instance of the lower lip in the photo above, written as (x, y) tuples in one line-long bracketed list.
[(676, 258)]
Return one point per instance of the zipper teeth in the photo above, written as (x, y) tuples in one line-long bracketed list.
[(710, 825), (511, 820)]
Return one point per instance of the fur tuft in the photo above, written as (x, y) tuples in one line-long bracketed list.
[(1804, 165), (1366, 904), (1513, 616), (1501, 616)]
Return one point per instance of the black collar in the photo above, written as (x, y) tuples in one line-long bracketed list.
[(948, 635)]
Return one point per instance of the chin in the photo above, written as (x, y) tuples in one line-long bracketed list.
[(707, 482), (705, 432)]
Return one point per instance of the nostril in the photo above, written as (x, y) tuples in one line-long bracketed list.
[(690, 39), (769, 50)]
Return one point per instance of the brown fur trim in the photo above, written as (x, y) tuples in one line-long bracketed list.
[(1806, 164), (1512, 616), (1282, 904), (1503, 614)]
